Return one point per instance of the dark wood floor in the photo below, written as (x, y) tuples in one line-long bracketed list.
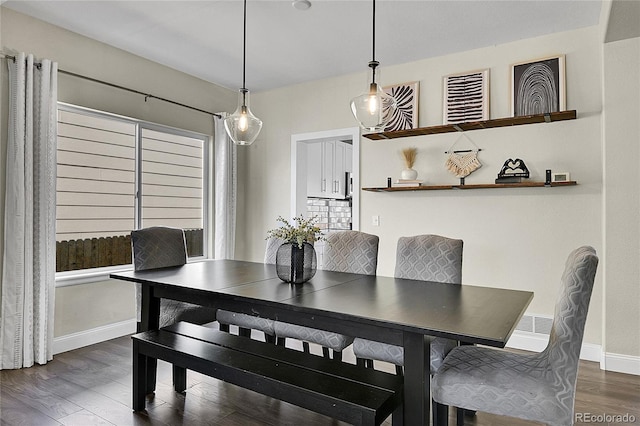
[(92, 386)]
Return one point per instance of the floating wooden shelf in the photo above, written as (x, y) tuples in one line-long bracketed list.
[(475, 125), (471, 186)]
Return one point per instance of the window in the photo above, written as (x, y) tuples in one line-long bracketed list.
[(116, 174)]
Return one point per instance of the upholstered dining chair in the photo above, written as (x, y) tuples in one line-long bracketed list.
[(162, 247), (539, 387), (421, 257), (245, 322), (344, 251)]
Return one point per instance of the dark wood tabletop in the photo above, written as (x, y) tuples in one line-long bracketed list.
[(398, 311)]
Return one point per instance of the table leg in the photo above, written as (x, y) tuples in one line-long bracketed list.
[(150, 320), (139, 377), (179, 378), (440, 414), (417, 384)]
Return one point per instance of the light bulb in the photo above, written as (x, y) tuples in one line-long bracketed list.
[(373, 104), (243, 122)]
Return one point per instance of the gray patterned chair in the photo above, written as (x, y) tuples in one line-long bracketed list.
[(345, 251), (271, 250), (421, 257), (162, 247), (539, 387), (246, 322), (351, 251)]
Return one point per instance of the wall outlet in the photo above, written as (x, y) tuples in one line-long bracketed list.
[(375, 220)]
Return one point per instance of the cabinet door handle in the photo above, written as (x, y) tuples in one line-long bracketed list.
[(323, 187)]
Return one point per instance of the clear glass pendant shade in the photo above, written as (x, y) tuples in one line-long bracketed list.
[(242, 126), (374, 109)]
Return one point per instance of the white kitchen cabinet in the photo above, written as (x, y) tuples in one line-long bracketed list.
[(315, 169), (327, 165)]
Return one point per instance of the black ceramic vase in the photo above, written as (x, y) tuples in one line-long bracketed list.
[(294, 264)]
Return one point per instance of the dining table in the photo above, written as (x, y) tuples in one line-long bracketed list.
[(408, 313)]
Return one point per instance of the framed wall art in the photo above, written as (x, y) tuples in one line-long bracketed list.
[(466, 97), (538, 87), (406, 114)]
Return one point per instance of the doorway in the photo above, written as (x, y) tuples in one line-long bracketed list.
[(342, 189)]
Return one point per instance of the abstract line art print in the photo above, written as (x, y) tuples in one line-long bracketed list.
[(466, 97), (538, 87), (406, 114)]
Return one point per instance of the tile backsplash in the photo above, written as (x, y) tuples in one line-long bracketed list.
[(333, 215)]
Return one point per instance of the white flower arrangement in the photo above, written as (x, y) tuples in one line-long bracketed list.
[(302, 231)]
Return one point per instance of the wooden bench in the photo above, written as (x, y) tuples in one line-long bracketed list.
[(346, 392)]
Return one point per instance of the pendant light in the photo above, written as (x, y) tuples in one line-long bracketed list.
[(242, 126), (373, 109)]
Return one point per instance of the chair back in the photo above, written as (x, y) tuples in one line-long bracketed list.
[(158, 247), (567, 330), (273, 244), (429, 258), (351, 251)]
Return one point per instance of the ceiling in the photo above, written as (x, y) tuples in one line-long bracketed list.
[(287, 46)]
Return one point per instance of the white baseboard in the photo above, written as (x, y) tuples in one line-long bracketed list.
[(591, 352), (532, 334), (519, 340), (622, 363), (535, 342), (93, 336)]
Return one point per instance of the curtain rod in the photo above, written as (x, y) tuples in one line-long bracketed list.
[(146, 95)]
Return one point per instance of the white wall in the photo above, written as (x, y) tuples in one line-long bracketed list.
[(514, 238), (85, 307), (622, 196)]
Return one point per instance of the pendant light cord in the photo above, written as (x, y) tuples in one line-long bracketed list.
[(373, 64), (373, 47), (244, 45)]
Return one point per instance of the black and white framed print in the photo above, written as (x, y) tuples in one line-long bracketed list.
[(406, 113), (538, 87), (466, 97)]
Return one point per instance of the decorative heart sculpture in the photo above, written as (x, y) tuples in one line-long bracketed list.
[(514, 168)]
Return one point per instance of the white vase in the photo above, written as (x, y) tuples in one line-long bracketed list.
[(409, 174)]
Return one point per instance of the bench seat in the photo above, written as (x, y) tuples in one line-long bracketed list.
[(339, 390)]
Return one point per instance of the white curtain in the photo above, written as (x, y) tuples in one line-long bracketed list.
[(28, 268), (225, 190)]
